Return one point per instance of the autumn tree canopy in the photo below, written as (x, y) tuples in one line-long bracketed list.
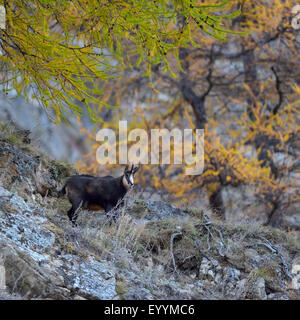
[(53, 51), (169, 60), (244, 93)]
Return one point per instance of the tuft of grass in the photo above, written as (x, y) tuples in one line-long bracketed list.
[(194, 212), (267, 273)]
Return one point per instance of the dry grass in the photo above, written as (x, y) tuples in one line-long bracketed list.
[(94, 234), (132, 239), (133, 244)]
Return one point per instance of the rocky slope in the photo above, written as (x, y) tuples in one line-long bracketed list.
[(155, 251), (60, 141)]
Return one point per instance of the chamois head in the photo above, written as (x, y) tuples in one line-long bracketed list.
[(128, 177)]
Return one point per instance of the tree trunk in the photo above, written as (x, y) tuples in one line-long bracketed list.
[(186, 88), (251, 80), (217, 204)]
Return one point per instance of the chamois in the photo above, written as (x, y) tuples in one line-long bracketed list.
[(97, 193)]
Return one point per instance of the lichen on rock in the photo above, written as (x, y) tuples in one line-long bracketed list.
[(45, 258)]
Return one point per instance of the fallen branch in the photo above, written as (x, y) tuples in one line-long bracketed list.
[(173, 236), (207, 225), (275, 250)]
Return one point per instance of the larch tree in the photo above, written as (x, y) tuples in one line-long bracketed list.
[(244, 93), (54, 51)]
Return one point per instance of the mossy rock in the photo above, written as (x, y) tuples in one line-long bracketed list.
[(122, 288)]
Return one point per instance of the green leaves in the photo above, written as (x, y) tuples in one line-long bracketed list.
[(58, 48)]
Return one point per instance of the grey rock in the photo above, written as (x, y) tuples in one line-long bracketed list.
[(154, 210), (160, 209), (90, 279), (277, 296), (26, 247), (260, 289), (21, 227), (241, 289), (45, 135), (255, 287)]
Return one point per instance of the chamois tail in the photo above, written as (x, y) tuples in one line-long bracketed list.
[(62, 191)]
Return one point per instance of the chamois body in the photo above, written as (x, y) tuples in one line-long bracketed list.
[(96, 193)]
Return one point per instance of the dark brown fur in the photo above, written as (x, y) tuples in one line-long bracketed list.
[(96, 193)]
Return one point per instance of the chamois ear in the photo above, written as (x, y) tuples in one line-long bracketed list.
[(136, 168), (126, 168)]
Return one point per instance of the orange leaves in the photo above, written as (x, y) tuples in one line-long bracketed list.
[(262, 16)]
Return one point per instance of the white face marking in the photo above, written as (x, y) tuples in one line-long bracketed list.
[(127, 184), (131, 178)]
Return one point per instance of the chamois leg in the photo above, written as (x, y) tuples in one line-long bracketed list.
[(111, 216), (114, 217), (118, 209), (73, 212)]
